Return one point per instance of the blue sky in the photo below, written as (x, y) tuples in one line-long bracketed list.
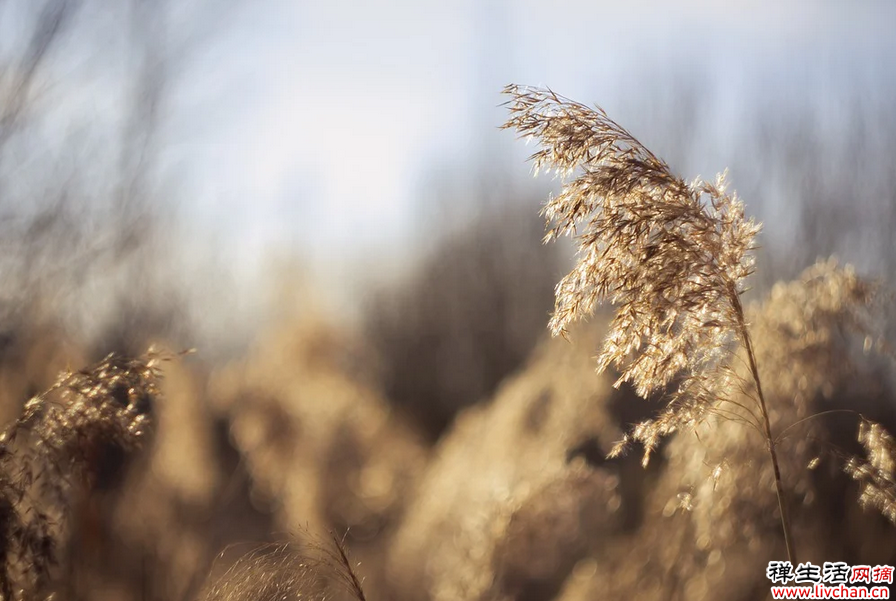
[(318, 122)]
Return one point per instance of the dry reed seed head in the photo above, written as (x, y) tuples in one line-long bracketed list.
[(806, 346), (513, 475), (52, 440), (670, 256), (877, 473), (110, 402), (807, 316), (270, 573), (288, 571)]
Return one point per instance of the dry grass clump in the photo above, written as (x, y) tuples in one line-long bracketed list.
[(270, 573), (875, 474), (515, 506), (314, 570), (511, 500), (152, 528), (519, 503), (52, 446), (815, 342), (322, 448), (709, 524)]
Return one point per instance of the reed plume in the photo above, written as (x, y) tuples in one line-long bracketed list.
[(671, 256), (51, 446)]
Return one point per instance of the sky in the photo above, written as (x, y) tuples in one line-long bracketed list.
[(327, 129), (316, 124)]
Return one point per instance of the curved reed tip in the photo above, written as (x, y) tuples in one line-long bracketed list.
[(289, 571)]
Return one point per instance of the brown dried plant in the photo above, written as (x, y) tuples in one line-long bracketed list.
[(53, 445), (875, 473), (287, 571), (671, 256), (808, 326)]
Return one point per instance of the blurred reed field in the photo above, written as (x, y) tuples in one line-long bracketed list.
[(408, 428)]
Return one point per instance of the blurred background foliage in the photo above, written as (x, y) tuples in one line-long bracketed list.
[(370, 309)]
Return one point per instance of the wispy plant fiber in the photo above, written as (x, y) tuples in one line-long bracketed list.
[(287, 572)]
